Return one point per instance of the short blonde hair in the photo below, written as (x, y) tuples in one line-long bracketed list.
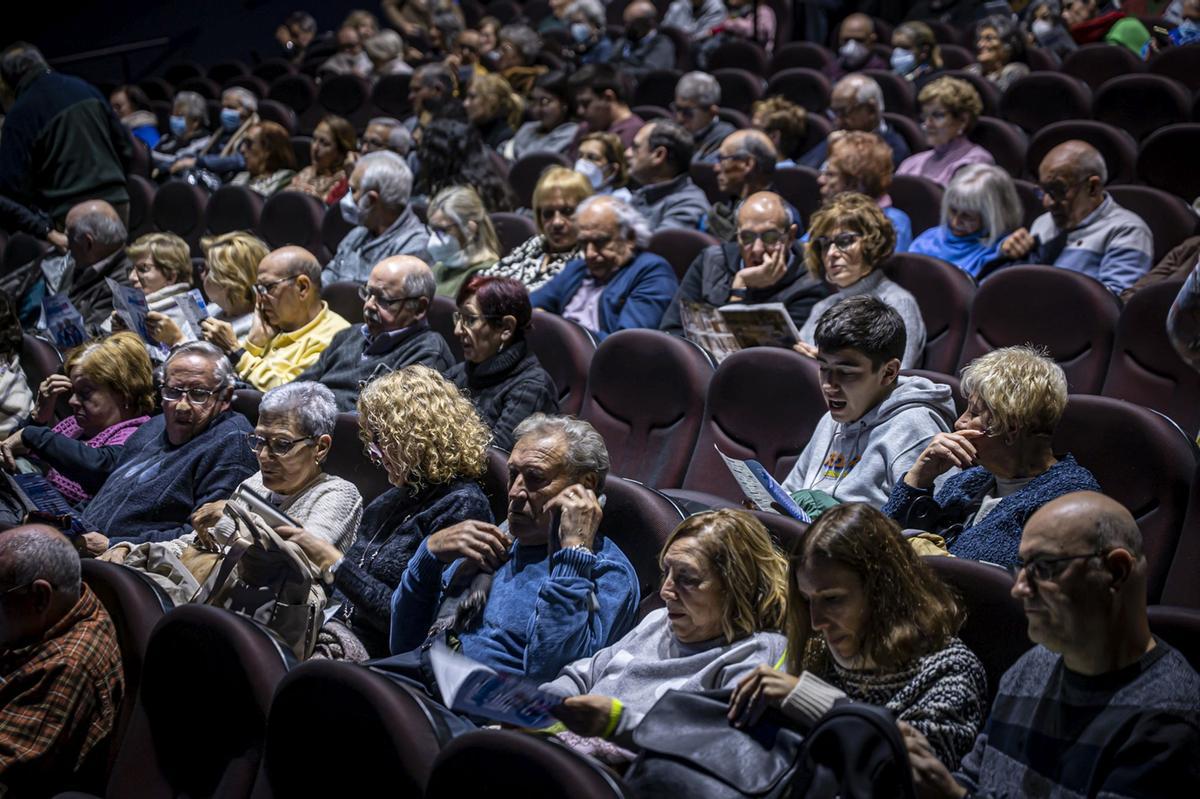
[(169, 253), (753, 573), (232, 260), (864, 159), (860, 214), (120, 363), (956, 95), (614, 153), (574, 186), (1022, 387), (501, 99), (424, 426)]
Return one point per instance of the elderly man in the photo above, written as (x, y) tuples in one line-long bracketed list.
[(745, 165), (385, 225), (292, 324), (194, 452), (857, 104), (350, 58), (659, 159), (642, 49), (602, 97), (556, 595), (431, 87), (395, 332), (1100, 707), (221, 152), (696, 18), (856, 37), (386, 133), (616, 285), (697, 98), (517, 50), (61, 681), (1083, 228), (765, 264)]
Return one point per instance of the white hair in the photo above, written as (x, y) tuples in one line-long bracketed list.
[(988, 191), (867, 90), (388, 174), (592, 10), (586, 452), (194, 106), (221, 366), (399, 139), (311, 403), (106, 230), (245, 97), (699, 87), (629, 221)]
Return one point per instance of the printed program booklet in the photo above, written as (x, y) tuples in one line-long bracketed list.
[(761, 488), (64, 322), (130, 304), (725, 330), (194, 310), (472, 688)]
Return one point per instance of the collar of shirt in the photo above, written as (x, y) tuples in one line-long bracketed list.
[(387, 340)]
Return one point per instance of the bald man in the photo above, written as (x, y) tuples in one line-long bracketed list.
[(395, 332), (1100, 707), (642, 49), (61, 681), (764, 264), (855, 40), (292, 324), (1083, 229)]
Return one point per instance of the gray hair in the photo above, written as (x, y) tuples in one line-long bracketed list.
[(388, 174), (988, 191), (399, 139), (866, 89), (28, 554), (699, 87), (522, 37), (221, 366), (194, 106), (18, 61), (1115, 531), (1090, 162), (419, 283), (760, 148), (245, 97), (463, 204), (586, 451), (311, 403), (592, 11), (105, 230), (630, 223)]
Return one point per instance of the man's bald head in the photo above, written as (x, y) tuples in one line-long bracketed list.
[(765, 206), (290, 283), (1076, 159), (40, 581), (764, 220), (1088, 520), (639, 9), (94, 231), (401, 277), (746, 163), (1072, 175), (858, 27), (295, 260)]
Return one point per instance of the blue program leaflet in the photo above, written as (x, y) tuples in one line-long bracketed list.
[(472, 688), (64, 322), (761, 488)]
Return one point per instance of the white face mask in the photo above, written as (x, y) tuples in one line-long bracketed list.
[(1042, 28), (591, 171), (354, 213), (445, 249)]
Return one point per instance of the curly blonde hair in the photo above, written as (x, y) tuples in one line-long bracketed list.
[(753, 573), (1025, 390), (232, 260), (169, 253), (860, 214), (956, 95), (424, 426), (120, 363)]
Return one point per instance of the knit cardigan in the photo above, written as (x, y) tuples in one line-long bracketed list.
[(506, 389), (996, 538)]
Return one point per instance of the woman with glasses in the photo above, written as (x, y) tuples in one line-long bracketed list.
[(849, 240), (462, 240), (162, 270), (559, 191), (869, 622), (979, 209), (949, 108), (863, 163), (499, 373), (999, 52), (1002, 446), (550, 129), (270, 160)]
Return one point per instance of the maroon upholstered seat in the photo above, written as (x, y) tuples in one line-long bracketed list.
[(233, 208), (1117, 146), (1041, 98), (1141, 104), (565, 351), (944, 293), (1096, 63), (1161, 155), (680, 247)]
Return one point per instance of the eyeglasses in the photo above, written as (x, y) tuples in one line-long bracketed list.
[(843, 111), (1046, 569), (843, 241), (373, 450), (15, 589), (264, 289), (548, 212), (685, 111), (469, 319), (721, 159), (380, 298), (769, 238), (1058, 191), (278, 446), (195, 396)]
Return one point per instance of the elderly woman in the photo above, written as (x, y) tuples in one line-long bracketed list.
[(430, 440), (550, 128), (270, 160), (462, 240), (132, 107), (862, 162), (221, 152), (999, 52), (493, 108), (327, 177), (112, 393), (915, 53), (188, 131), (559, 191), (1002, 444), (451, 154), (602, 161), (868, 621), (724, 591), (786, 124), (162, 269), (979, 209), (589, 33), (849, 240), (949, 108), (499, 373)]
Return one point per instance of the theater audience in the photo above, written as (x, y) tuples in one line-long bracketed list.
[(764, 264), (433, 446), (999, 52), (499, 374), (333, 144), (377, 204), (187, 131), (350, 59), (292, 324), (132, 107), (385, 133), (696, 18), (395, 332), (697, 99), (1100, 706), (861, 163), (745, 165), (432, 87), (296, 34), (558, 193), (659, 159), (191, 454), (550, 602), (61, 679), (616, 284), (602, 161), (1046, 28), (602, 96), (269, 158), (1091, 21), (915, 54), (493, 108), (855, 40), (748, 21), (642, 49), (1187, 30), (857, 104), (228, 274), (878, 421), (450, 155), (462, 239), (869, 622), (1001, 444), (162, 270), (1175, 265), (518, 48), (725, 596), (550, 128), (979, 209), (589, 34), (222, 152), (1083, 229), (949, 108), (785, 123), (386, 52)]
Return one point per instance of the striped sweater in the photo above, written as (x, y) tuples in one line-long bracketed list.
[(1112, 245)]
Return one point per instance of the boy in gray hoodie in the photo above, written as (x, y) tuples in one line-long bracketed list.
[(878, 422)]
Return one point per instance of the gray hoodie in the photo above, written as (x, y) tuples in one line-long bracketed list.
[(862, 461)]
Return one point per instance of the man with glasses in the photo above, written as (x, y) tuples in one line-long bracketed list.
[(857, 104), (1101, 706), (745, 166), (61, 681), (395, 332), (386, 133), (194, 452), (765, 263), (659, 159), (697, 98), (1083, 229)]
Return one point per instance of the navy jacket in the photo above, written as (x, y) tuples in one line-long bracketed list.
[(636, 296)]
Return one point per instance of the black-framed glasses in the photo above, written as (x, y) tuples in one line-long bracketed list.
[(195, 396), (373, 450), (470, 319), (548, 212), (15, 589), (1058, 191), (265, 288), (380, 298), (278, 445), (769, 238), (1046, 569), (843, 241)]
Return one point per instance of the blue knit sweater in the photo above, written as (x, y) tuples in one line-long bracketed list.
[(997, 537)]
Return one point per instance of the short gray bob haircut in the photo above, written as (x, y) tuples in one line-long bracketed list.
[(591, 10), (105, 230), (311, 404), (586, 451), (245, 97), (700, 88), (388, 174), (221, 366), (631, 224), (988, 191), (194, 106), (522, 37), (29, 555)]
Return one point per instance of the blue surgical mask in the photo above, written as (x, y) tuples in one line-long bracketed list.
[(580, 32), (445, 250), (230, 119), (591, 171), (1188, 28), (178, 125), (903, 61), (354, 213)]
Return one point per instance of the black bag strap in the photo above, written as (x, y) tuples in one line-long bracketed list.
[(236, 550)]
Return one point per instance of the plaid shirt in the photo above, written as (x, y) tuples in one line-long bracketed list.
[(59, 700)]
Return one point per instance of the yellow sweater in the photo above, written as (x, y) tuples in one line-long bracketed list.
[(289, 354)]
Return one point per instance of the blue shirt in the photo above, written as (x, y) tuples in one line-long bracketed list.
[(636, 296), (1111, 244)]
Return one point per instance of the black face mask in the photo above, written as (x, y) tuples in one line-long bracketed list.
[(638, 29)]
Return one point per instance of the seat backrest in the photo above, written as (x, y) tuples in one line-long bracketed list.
[(179, 208), (944, 293), (1030, 195), (657, 87), (742, 53), (800, 54), (1142, 460), (391, 95), (898, 94), (334, 228), (920, 198), (21, 249), (343, 299), (1161, 154), (1141, 104), (1005, 141), (960, 402), (1117, 146), (680, 247), (704, 175), (246, 402), (798, 185), (179, 71), (805, 87), (280, 114), (1179, 627), (343, 95), (955, 56), (565, 351), (525, 173), (988, 93), (205, 87), (1040, 98), (739, 87), (39, 359), (1181, 587), (639, 519), (495, 483), (233, 208), (293, 217), (441, 319), (909, 130), (1171, 220), (297, 91), (141, 204), (645, 396), (513, 230), (348, 460), (1096, 63), (1178, 63), (1024, 304)]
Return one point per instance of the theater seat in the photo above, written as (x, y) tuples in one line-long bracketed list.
[(1041, 98), (525, 173), (348, 460), (343, 95), (988, 93), (786, 532), (390, 95), (657, 88), (798, 185), (809, 55), (1117, 146), (920, 198), (334, 228), (639, 519), (495, 483), (1031, 201), (179, 208), (740, 88), (743, 53), (141, 204), (1179, 627), (343, 299), (1180, 64), (681, 247), (704, 175), (565, 351), (1181, 587), (898, 94), (960, 402), (944, 293), (1171, 220), (1096, 63), (246, 402), (1141, 104), (803, 86), (441, 319), (513, 230), (1005, 141), (39, 359), (296, 90), (233, 208), (277, 112), (1161, 155), (293, 217)]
